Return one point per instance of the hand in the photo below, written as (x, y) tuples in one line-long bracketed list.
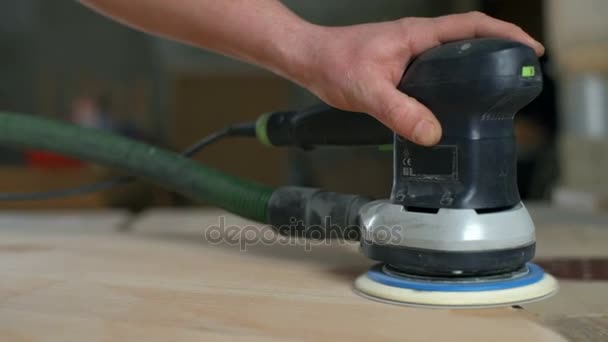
[(357, 68)]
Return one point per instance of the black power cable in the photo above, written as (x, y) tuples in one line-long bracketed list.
[(237, 130)]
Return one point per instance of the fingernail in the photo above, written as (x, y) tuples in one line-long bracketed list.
[(425, 133)]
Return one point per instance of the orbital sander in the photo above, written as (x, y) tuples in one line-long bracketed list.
[(454, 232)]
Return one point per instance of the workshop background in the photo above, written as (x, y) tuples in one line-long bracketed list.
[(60, 60)]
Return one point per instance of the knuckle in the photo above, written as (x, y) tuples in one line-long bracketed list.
[(478, 15), (405, 21), (391, 111), (413, 22), (395, 113), (387, 111), (513, 30), (516, 28)]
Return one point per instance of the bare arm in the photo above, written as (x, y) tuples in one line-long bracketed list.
[(263, 32), (353, 68)]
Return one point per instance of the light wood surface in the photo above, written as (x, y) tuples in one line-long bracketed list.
[(77, 277), (580, 310)]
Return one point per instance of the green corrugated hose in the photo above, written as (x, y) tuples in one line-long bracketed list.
[(171, 170)]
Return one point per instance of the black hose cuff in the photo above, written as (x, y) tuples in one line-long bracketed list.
[(315, 214)]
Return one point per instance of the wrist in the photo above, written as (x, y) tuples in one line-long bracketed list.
[(296, 52)]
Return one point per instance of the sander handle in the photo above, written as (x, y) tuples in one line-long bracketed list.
[(321, 125)]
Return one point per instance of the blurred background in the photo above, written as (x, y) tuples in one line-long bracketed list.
[(60, 60)]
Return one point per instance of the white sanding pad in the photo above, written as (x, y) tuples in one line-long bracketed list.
[(544, 287)]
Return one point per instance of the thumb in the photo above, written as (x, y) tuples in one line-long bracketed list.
[(406, 116)]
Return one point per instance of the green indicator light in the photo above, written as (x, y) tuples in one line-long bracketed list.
[(385, 148), (528, 71)]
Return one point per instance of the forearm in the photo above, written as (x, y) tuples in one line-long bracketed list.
[(263, 32)]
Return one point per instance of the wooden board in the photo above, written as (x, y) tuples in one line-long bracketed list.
[(75, 277), (580, 310)]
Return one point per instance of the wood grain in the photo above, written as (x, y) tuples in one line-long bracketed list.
[(74, 277)]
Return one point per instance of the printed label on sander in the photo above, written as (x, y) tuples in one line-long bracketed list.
[(437, 163)]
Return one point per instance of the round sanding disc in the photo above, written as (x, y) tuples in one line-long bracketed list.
[(399, 289)]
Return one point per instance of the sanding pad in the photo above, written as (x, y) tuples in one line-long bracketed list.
[(528, 284)]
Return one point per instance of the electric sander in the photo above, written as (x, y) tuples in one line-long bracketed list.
[(455, 232)]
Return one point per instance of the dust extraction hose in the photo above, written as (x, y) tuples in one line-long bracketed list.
[(176, 172)]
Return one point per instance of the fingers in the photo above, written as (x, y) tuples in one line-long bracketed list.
[(406, 116), (476, 24)]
